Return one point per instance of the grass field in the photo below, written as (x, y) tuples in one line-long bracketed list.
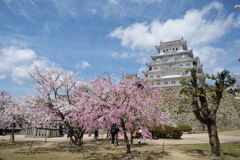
[(229, 149), (101, 149)]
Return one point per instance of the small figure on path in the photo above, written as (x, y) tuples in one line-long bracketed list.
[(134, 136), (114, 133), (61, 127), (5, 130), (140, 132), (95, 133)]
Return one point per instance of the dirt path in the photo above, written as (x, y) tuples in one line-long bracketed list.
[(170, 154), (200, 138)]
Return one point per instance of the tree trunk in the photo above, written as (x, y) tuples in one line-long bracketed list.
[(127, 142), (131, 134), (76, 137), (12, 135), (125, 137), (213, 137)]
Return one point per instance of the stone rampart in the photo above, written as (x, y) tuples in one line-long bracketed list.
[(228, 115)]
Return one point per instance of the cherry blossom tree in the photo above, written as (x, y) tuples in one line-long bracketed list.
[(9, 111), (14, 111), (56, 102), (130, 104)]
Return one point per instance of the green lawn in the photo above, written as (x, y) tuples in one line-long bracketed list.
[(95, 150), (230, 149)]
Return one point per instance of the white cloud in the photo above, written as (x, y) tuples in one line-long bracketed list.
[(83, 64), (3, 77), (135, 36), (143, 60), (208, 57), (126, 55), (66, 8), (200, 27), (217, 69), (237, 22), (144, 68), (25, 8), (114, 54), (195, 26), (237, 42), (113, 1), (16, 63), (139, 57), (93, 10)]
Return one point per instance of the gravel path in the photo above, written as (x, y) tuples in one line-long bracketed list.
[(196, 138)]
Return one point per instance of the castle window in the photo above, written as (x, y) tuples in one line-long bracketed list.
[(165, 82), (151, 76), (173, 49), (188, 64), (176, 48), (155, 68), (167, 50), (173, 82), (164, 50), (158, 76), (158, 83)]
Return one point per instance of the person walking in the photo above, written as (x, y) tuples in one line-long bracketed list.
[(61, 127), (140, 132), (5, 130), (134, 136), (95, 133), (114, 133)]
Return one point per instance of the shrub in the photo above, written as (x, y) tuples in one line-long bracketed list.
[(158, 131), (176, 133), (166, 132), (185, 127)]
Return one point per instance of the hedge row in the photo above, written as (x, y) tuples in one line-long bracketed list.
[(166, 132), (185, 127)]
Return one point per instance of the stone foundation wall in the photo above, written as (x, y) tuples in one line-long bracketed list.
[(228, 115)]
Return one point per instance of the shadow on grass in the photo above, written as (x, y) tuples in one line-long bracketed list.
[(230, 154), (198, 151)]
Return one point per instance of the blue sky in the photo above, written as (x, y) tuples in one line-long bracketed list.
[(95, 36)]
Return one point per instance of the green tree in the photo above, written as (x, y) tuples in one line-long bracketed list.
[(205, 101)]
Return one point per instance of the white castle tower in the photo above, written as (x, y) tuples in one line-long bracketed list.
[(169, 65)]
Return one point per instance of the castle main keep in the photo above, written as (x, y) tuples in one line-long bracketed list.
[(168, 69)]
